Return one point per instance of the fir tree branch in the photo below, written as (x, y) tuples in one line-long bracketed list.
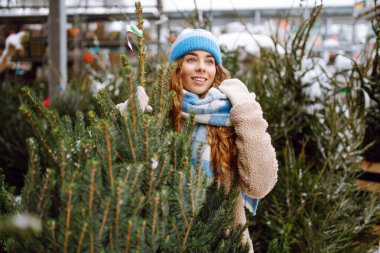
[(92, 247), (186, 234), (81, 237), (140, 233), (175, 152), (117, 211), (175, 230), (53, 235), (63, 165), (147, 154), (68, 217), (154, 220), (132, 107), (128, 237), (199, 180), (148, 165), (179, 197), (161, 85), (191, 190), (33, 159), (104, 220), (109, 156), (133, 186), (135, 180), (49, 116), (163, 160), (163, 219), (92, 188), (141, 56), (131, 143), (43, 193), (28, 113), (90, 201), (139, 205), (110, 237)]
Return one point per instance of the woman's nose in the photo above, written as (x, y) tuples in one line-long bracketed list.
[(200, 66)]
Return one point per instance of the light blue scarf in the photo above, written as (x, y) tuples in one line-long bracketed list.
[(213, 110)]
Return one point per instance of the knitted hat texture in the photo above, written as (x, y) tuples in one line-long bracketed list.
[(195, 39)]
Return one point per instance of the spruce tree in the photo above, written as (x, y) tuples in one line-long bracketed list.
[(315, 205), (105, 183), (372, 136)]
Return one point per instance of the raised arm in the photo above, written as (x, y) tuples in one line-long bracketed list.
[(257, 163)]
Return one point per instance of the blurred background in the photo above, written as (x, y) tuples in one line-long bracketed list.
[(95, 32)]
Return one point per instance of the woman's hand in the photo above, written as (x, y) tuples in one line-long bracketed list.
[(236, 91), (142, 101)]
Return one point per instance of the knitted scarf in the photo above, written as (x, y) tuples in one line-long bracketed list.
[(213, 110)]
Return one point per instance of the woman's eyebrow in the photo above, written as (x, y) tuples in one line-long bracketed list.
[(193, 54)]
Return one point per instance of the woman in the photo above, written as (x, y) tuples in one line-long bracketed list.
[(229, 123)]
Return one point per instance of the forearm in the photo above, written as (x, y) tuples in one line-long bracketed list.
[(257, 161)]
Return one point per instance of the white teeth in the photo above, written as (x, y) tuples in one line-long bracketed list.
[(199, 79)]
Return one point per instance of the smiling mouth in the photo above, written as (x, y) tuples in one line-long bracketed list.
[(199, 79)]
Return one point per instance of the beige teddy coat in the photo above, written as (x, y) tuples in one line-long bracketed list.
[(257, 163)]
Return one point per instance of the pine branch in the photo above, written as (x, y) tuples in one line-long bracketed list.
[(128, 236), (68, 217), (81, 238), (41, 205), (104, 219), (109, 157), (154, 220), (142, 54)]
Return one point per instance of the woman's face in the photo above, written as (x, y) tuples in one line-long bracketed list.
[(198, 71)]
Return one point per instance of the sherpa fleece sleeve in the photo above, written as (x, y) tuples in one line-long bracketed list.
[(257, 163)]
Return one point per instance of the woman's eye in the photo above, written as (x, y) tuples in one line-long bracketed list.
[(191, 59), (210, 61)]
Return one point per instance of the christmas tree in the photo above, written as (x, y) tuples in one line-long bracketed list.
[(372, 136), (106, 183), (316, 205)]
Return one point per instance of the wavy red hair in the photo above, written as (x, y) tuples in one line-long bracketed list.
[(220, 138)]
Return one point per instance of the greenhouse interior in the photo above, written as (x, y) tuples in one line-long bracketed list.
[(86, 166)]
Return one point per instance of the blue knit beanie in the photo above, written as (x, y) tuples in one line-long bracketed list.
[(195, 39)]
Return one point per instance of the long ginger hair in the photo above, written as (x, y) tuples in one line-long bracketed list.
[(220, 138)]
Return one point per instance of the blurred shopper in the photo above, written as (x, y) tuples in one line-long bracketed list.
[(13, 45)]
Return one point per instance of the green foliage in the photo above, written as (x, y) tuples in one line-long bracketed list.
[(6, 198), (117, 183), (7, 207), (316, 205), (102, 183), (230, 60), (218, 209), (372, 87), (14, 129)]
